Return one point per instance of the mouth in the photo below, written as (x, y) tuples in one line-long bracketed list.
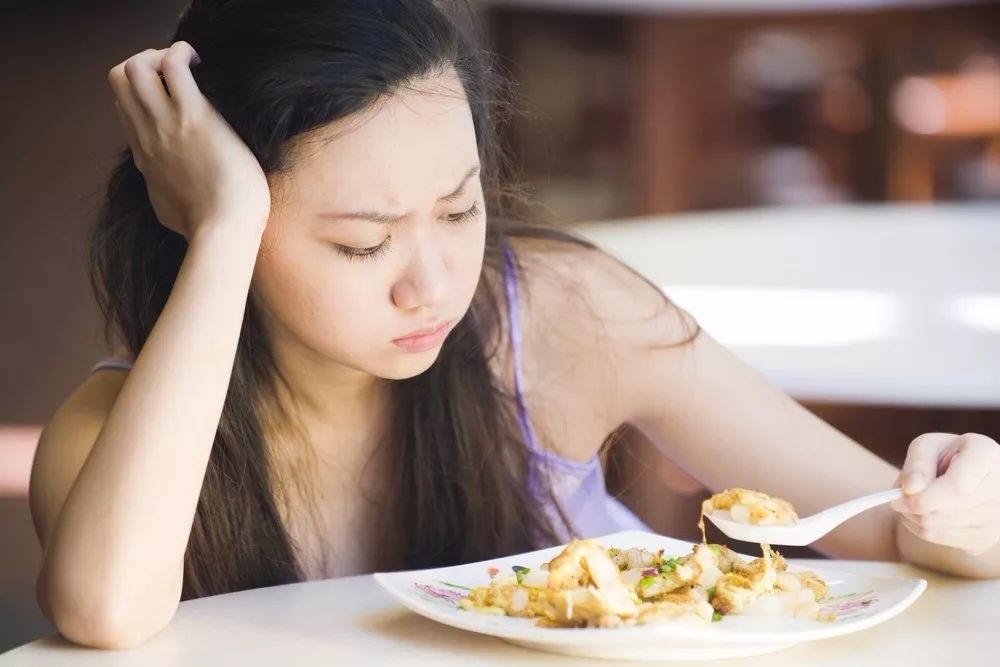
[(425, 339)]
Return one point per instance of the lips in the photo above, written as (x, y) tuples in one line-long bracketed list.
[(423, 332), (424, 339)]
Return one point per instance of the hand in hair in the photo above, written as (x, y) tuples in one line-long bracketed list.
[(198, 171)]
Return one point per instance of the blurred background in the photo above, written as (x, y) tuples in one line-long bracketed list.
[(710, 104), (816, 162)]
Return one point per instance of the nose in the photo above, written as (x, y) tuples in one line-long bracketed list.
[(424, 283)]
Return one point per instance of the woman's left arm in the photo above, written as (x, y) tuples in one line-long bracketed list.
[(728, 426), (725, 425)]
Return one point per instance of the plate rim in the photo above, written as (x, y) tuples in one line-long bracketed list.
[(387, 581)]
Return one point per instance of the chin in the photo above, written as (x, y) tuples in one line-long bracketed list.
[(405, 365)]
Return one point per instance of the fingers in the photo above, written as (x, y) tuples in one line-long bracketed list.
[(153, 89), (965, 463), (155, 82), (922, 459), (143, 73), (126, 101), (982, 514), (958, 507), (176, 68)]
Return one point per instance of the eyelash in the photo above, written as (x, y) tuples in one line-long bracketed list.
[(373, 253), (364, 254), (465, 216)]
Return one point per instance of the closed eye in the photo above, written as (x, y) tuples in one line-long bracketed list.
[(374, 252), (465, 216), (363, 254)]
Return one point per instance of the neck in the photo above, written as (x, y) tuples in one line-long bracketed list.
[(323, 392)]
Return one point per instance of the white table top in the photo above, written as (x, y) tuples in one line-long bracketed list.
[(351, 621), (885, 304)]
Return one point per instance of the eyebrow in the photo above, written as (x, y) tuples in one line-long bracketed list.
[(389, 219)]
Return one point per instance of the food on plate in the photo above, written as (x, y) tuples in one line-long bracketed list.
[(589, 585)]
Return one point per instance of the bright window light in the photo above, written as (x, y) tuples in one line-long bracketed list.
[(772, 316)]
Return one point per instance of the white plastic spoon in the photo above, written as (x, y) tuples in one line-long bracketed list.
[(805, 530)]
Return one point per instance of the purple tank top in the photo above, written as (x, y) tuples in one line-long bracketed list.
[(577, 486)]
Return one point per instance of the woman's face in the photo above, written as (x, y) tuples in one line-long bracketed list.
[(374, 247)]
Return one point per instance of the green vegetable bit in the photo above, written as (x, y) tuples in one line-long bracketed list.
[(716, 616), (715, 549), (520, 572), (646, 582), (669, 565)]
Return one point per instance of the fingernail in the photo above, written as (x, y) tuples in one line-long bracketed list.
[(914, 483)]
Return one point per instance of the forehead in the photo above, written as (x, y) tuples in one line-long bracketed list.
[(417, 143)]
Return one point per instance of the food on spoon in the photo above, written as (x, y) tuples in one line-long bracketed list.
[(753, 507), (750, 507)]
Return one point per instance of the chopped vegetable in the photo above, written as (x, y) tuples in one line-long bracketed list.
[(669, 565)]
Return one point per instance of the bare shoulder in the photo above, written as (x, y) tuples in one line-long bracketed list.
[(589, 323), (581, 295), (66, 442)]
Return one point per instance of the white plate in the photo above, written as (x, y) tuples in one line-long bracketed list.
[(858, 601)]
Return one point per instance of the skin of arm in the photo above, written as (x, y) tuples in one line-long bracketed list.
[(113, 495), (713, 415)]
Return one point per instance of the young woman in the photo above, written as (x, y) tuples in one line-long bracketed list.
[(335, 361)]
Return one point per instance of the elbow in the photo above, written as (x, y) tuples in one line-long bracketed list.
[(97, 619), (100, 631)]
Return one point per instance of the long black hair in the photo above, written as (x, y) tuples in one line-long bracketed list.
[(275, 70), (460, 490)]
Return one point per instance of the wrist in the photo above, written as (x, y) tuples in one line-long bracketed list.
[(229, 233)]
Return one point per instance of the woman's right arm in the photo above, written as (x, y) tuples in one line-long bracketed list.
[(116, 480)]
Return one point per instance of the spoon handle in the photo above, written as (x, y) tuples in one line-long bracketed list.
[(858, 505)]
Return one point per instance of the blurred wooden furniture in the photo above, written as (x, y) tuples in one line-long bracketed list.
[(942, 109), (648, 106), (727, 7)]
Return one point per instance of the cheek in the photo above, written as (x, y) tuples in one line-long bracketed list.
[(312, 298), (468, 258)]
